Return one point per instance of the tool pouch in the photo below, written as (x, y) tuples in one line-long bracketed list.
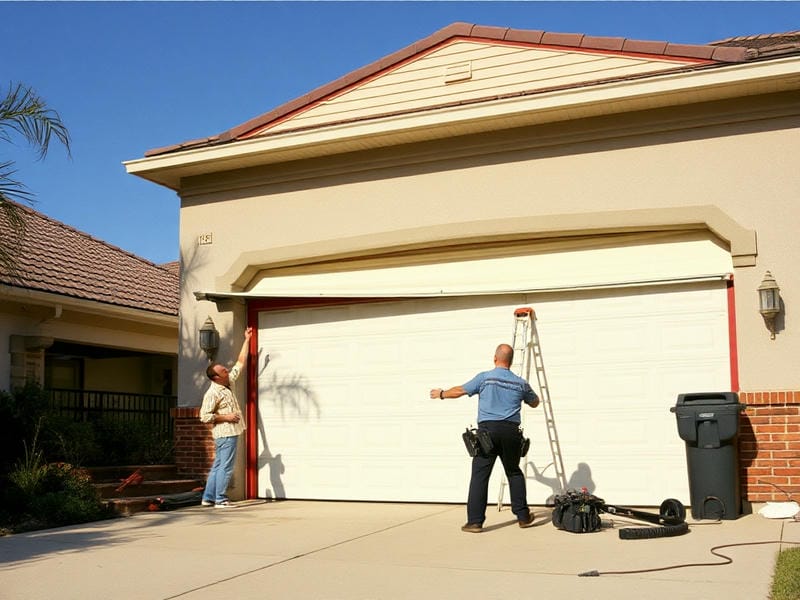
[(477, 442), (525, 443)]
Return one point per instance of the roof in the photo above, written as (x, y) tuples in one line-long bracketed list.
[(56, 258), (734, 50), (764, 44)]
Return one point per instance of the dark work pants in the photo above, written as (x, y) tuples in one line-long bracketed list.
[(507, 441)]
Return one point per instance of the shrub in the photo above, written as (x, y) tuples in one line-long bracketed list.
[(50, 495), (132, 442), (66, 496), (21, 412), (67, 440)]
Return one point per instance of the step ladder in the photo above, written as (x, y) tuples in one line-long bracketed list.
[(526, 345)]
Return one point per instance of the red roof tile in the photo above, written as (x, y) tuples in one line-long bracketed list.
[(764, 45), (53, 257), (723, 52)]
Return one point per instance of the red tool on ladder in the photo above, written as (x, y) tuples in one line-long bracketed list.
[(526, 345)]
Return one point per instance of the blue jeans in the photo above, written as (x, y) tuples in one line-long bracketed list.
[(220, 474)]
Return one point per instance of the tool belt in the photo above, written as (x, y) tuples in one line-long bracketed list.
[(477, 442)]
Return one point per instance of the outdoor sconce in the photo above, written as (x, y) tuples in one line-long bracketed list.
[(209, 339), (769, 301)]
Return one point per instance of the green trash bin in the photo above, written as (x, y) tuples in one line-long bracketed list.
[(709, 424)]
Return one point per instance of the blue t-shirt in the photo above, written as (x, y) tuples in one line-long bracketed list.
[(500, 394)]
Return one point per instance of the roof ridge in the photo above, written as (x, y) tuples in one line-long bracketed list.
[(757, 36)]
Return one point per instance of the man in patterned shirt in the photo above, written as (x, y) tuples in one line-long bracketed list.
[(221, 409), (500, 397)]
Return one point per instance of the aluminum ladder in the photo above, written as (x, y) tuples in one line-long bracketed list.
[(526, 345)]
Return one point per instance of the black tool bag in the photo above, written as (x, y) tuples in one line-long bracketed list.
[(477, 441), (577, 512), (526, 444)]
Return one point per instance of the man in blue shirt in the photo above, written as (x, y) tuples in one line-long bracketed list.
[(500, 397)]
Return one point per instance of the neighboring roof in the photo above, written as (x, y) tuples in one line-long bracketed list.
[(735, 50), (56, 258), (766, 44)]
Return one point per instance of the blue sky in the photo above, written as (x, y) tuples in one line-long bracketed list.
[(130, 76)]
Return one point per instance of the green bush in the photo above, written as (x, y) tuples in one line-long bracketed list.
[(21, 412), (38, 495), (66, 496), (132, 443), (70, 441)]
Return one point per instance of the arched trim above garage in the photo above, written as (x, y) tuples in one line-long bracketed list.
[(487, 237)]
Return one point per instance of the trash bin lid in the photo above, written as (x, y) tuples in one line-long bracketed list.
[(708, 398)]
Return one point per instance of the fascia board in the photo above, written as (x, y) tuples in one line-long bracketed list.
[(47, 299)]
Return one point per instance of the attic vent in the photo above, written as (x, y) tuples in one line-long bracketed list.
[(459, 72)]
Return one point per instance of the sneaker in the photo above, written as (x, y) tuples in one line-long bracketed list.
[(206, 503), (225, 504), (472, 527), (525, 523)]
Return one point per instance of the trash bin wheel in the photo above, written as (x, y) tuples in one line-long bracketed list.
[(672, 512)]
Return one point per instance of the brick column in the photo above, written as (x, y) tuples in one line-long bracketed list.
[(769, 445), (194, 446)]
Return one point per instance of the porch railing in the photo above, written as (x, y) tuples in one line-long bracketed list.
[(93, 405)]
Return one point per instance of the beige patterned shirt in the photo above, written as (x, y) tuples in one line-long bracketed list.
[(220, 400)]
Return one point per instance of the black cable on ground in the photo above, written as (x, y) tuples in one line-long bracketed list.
[(646, 533), (726, 560)]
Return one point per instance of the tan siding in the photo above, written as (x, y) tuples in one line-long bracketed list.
[(496, 70)]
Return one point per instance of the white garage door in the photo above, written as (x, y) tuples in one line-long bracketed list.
[(344, 412)]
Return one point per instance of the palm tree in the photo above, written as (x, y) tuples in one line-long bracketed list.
[(22, 113)]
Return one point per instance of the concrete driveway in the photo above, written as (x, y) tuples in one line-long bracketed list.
[(350, 551)]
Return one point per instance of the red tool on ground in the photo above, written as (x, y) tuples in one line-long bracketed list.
[(134, 478)]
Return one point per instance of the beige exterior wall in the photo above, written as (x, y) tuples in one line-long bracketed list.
[(91, 325), (645, 171), (464, 71)]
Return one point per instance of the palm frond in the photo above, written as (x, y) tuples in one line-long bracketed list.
[(11, 189), (23, 111)]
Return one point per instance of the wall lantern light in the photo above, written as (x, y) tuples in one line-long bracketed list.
[(769, 301), (209, 339)]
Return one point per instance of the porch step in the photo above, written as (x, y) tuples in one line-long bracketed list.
[(126, 507), (129, 489), (121, 472), (158, 487)]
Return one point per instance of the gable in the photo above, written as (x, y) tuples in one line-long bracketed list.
[(463, 71)]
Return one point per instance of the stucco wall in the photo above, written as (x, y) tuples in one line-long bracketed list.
[(72, 326), (741, 167)]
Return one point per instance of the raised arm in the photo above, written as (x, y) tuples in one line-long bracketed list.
[(245, 351)]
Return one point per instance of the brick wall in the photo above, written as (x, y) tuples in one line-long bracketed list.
[(769, 446), (194, 446)]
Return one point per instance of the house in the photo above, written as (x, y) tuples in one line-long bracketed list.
[(95, 325), (380, 231)]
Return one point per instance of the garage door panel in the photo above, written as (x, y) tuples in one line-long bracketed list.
[(346, 391)]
